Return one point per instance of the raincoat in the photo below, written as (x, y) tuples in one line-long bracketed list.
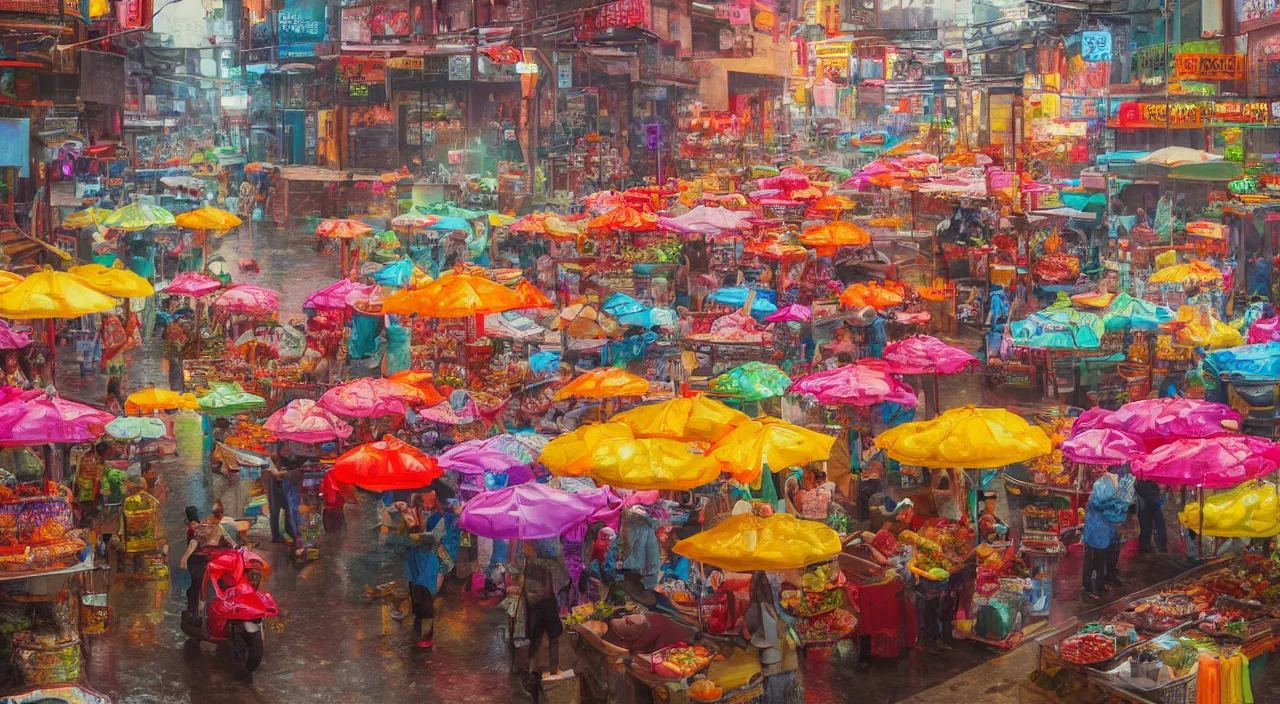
[(1106, 510)]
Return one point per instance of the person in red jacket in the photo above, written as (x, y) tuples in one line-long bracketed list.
[(334, 518)]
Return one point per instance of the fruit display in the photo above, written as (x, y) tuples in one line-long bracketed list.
[(833, 625), (704, 690), (1087, 648), (805, 602), (591, 611), (1160, 612), (680, 661)]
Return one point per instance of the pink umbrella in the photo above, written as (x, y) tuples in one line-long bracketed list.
[(40, 419), (447, 414), (473, 457), (340, 294), (372, 398), (865, 383), (247, 299), (922, 354), (10, 340), (1265, 330), (1103, 446), (304, 421), (192, 283), (1209, 463), (792, 313), (1161, 420), (530, 511)]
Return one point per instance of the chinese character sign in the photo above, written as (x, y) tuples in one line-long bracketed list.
[(1095, 46), (302, 23)]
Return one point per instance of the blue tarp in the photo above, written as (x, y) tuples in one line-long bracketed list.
[(1247, 362), (450, 223), (394, 274), (736, 296)]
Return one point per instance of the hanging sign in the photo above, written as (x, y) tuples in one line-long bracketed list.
[(1209, 67), (359, 69), (564, 72), (523, 67), (460, 67), (411, 63), (1095, 46)]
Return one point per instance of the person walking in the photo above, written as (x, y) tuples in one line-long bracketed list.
[(1103, 515), (1151, 526)]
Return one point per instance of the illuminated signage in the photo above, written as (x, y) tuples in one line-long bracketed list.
[(1209, 67)]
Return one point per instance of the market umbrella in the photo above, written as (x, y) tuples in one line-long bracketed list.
[(340, 294), (136, 216), (11, 340), (966, 438), (771, 248), (832, 235), (374, 398), (747, 543), (453, 295), (752, 381), (768, 442), (872, 294), (791, 313), (1059, 326), (85, 218), (386, 465), (247, 299), (650, 464), (1102, 446), (401, 273), (53, 294), (922, 354), (473, 457), (1194, 271), (604, 382), (736, 297), (153, 399), (1208, 463), (1161, 420), (1177, 156), (344, 230), (864, 383), (192, 283), (132, 428), (228, 399), (585, 321), (303, 420), (697, 419), (445, 209), (549, 225), (1126, 312), (530, 511), (524, 447), (42, 419), (1251, 510), (208, 218), (569, 454), (531, 296), (413, 220), (626, 219), (113, 282)]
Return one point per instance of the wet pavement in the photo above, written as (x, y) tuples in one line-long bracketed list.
[(331, 643)]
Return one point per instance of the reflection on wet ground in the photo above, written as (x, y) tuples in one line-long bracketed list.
[(331, 643)]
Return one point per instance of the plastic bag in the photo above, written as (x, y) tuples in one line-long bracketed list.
[(1251, 510)]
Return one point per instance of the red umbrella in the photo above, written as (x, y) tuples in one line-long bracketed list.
[(386, 465)]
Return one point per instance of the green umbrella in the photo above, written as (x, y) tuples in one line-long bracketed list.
[(226, 399), (752, 381), (444, 209)]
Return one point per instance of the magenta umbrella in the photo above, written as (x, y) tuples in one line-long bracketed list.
[(1209, 463), (1103, 446), (305, 421), (340, 294), (473, 457), (1160, 420), (865, 383), (42, 419), (192, 283), (247, 299), (791, 313), (11, 340), (530, 511), (922, 354), (371, 398)]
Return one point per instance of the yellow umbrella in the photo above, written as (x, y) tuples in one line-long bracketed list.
[(746, 542), (85, 218), (836, 234), (771, 442), (966, 438), (113, 282), (136, 216), (209, 218), (1196, 271), (453, 296), (151, 400), (651, 463), (569, 455), (53, 294), (8, 280), (500, 220), (697, 419), (606, 382)]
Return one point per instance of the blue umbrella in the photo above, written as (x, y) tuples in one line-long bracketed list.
[(395, 274), (449, 223), (736, 296)]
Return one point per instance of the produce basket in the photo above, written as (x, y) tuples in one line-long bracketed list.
[(39, 659), (140, 517)]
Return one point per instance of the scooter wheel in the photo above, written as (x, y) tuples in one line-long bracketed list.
[(247, 649)]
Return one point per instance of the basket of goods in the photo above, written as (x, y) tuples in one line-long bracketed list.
[(680, 661), (140, 515), (1087, 648), (45, 657), (704, 690), (821, 591), (1160, 612), (829, 627), (95, 612)]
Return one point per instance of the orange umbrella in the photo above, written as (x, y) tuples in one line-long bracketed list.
[(606, 382), (773, 249), (836, 234), (872, 294), (833, 203), (531, 296), (343, 229), (624, 218), (414, 377), (454, 296), (386, 465)]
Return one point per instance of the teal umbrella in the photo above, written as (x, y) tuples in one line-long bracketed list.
[(1059, 327), (450, 210), (226, 399), (752, 381), (136, 428)]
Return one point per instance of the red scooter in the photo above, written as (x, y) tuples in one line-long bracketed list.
[(232, 606)]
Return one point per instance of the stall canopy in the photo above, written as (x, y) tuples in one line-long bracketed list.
[(966, 438), (746, 542)]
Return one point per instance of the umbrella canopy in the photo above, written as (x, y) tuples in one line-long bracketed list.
[(247, 299), (650, 463), (922, 354), (374, 398), (746, 542), (305, 421), (1059, 326), (53, 294), (605, 382), (413, 220), (697, 419), (129, 428), (474, 457), (85, 218), (454, 295), (1160, 420), (583, 320), (865, 383), (1211, 463), (529, 511), (386, 465), (531, 296), (446, 209), (708, 221), (836, 234), (414, 377), (340, 294), (208, 218), (966, 438), (45, 419), (771, 442), (1195, 271), (771, 248), (136, 216), (229, 399), (11, 340), (153, 399), (1127, 312), (342, 229), (569, 454), (736, 296), (192, 283), (113, 282), (752, 381), (626, 219), (548, 225), (791, 313), (400, 274), (871, 294), (1102, 446)]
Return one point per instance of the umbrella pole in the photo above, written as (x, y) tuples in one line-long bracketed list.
[(51, 337), (702, 580), (1200, 530), (344, 252), (197, 325), (937, 402)]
